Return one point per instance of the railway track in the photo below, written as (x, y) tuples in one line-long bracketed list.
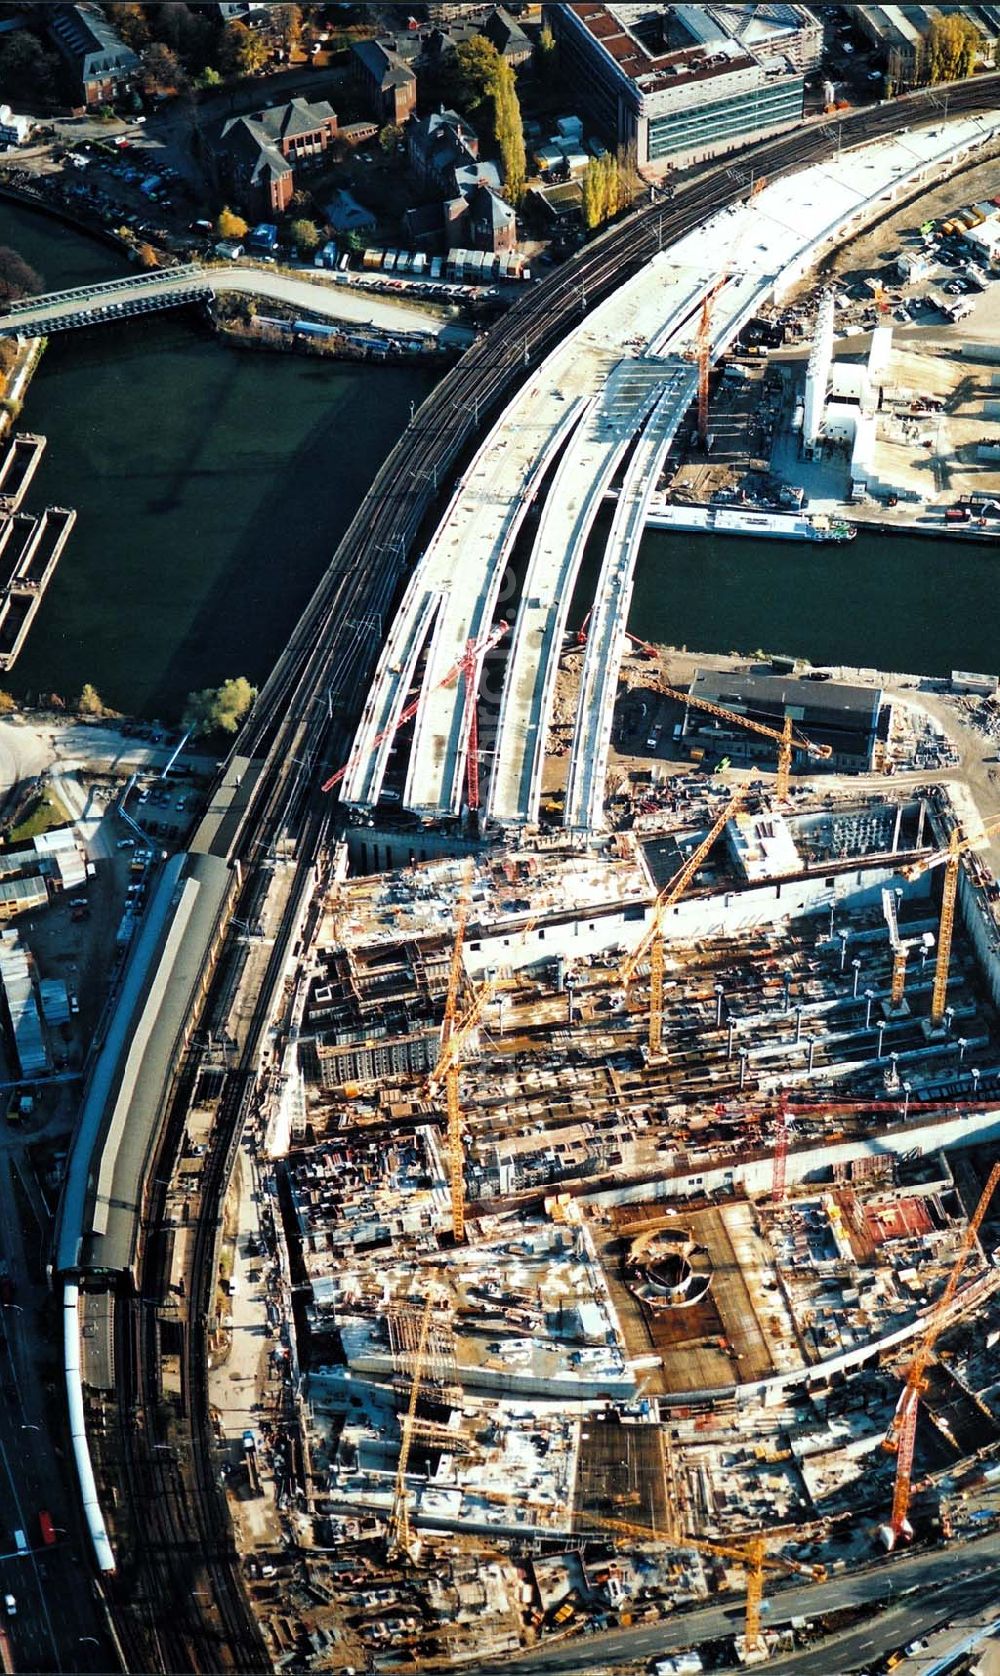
[(302, 723)]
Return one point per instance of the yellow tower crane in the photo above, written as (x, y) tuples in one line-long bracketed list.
[(651, 941), (455, 1034), (788, 738), (751, 1553), (902, 1433), (951, 858), (399, 1537)]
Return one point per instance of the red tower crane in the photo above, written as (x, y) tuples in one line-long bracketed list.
[(467, 666), (902, 1433)]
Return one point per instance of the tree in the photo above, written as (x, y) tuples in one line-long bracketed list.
[(951, 48), (474, 72), (509, 131), (219, 709), (7, 703), (241, 51), (306, 236), (17, 277), (207, 78), (27, 72), (89, 702), (129, 21), (547, 59), (8, 354), (147, 256), (230, 226), (286, 22), (389, 137), (161, 69)]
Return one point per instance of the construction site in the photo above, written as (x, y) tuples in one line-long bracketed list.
[(634, 1200), (624, 1187)]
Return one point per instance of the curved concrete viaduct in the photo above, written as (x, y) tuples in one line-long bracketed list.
[(619, 383)]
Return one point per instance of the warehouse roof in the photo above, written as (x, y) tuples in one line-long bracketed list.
[(824, 703)]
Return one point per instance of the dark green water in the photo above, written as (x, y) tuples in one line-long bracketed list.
[(883, 602), (211, 487)]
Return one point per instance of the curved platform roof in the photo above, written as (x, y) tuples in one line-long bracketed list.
[(132, 1071)]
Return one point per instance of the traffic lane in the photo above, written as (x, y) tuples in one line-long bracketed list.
[(901, 1624), (52, 1589), (884, 1581)]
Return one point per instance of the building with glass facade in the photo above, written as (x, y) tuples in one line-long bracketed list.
[(684, 82)]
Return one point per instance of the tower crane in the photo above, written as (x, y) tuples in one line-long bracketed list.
[(455, 1033), (951, 857), (900, 947), (467, 665), (703, 355), (750, 1553), (399, 1537), (651, 941), (902, 1433), (788, 738)]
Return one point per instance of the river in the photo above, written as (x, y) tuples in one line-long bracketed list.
[(212, 485)]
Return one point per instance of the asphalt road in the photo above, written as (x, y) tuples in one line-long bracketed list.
[(925, 1571), (57, 1623)]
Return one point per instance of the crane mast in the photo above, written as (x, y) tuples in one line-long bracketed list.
[(951, 858), (902, 1435), (466, 665), (651, 941), (399, 1538), (787, 738)]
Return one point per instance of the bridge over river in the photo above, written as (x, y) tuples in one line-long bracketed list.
[(163, 288)]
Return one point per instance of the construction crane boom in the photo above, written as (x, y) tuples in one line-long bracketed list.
[(902, 1433), (788, 738), (399, 1540), (651, 940), (455, 1033), (951, 857), (466, 665), (751, 1553)]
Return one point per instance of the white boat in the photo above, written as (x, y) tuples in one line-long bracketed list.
[(745, 520)]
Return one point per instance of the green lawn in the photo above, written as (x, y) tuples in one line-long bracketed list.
[(42, 813)]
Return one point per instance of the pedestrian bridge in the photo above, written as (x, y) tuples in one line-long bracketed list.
[(163, 288)]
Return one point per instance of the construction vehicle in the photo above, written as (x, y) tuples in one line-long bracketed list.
[(951, 858), (901, 1436), (788, 738), (466, 666), (651, 941)]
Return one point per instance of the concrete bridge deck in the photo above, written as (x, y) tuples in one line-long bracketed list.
[(764, 245)]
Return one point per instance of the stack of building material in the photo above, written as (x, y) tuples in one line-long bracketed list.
[(26, 1023)]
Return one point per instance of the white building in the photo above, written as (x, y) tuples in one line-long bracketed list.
[(14, 130)]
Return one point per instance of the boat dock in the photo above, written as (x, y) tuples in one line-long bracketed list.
[(30, 545), (36, 560), (18, 468)]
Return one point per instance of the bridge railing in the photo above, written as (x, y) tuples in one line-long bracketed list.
[(83, 293)]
